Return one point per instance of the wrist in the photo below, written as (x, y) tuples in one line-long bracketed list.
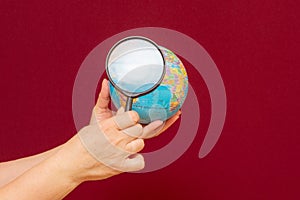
[(77, 165), (72, 161)]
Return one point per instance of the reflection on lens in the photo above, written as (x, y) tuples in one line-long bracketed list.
[(135, 65)]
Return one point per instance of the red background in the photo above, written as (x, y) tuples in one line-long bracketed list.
[(255, 44)]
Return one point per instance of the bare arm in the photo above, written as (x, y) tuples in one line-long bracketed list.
[(12, 169), (55, 173), (54, 177), (76, 162)]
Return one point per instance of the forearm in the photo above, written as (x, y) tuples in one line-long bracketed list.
[(55, 177), (95, 153), (43, 181), (12, 169), (49, 179)]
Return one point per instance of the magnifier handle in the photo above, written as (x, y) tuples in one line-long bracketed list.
[(128, 104)]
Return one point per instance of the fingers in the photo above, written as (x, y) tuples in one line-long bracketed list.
[(113, 155), (135, 131), (118, 139), (152, 129), (121, 121), (126, 119), (134, 163), (157, 127), (103, 98), (120, 111), (135, 145)]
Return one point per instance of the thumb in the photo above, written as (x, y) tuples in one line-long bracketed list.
[(104, 97)]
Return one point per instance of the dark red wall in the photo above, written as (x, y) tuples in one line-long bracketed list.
[(254, 43)]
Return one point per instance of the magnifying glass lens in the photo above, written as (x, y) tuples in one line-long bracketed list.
[(135, 66)]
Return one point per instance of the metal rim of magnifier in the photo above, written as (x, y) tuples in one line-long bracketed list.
[(135, 94)]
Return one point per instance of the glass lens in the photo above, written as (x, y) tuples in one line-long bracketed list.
[(135, 65)]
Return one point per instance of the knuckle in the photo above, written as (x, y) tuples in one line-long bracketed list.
[(141, 144), (139, 129), (134, 116), (117, 141), (129, 149)]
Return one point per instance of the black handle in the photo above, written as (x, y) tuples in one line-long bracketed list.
[(128, 104)]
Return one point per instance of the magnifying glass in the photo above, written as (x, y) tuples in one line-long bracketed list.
[(135, 66)]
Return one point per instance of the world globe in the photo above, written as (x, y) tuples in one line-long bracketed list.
[(165, 100)]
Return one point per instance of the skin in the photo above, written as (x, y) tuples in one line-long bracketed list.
[(55, 173), (12, 169)]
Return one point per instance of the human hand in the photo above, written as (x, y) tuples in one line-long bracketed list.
[(101, 112), (87, 157), (113, 140), (103, 150)]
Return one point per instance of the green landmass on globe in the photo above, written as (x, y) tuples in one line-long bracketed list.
[(165, 100)]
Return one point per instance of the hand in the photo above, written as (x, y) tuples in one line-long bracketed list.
[(103, 150), (102, 112), (115, 141)]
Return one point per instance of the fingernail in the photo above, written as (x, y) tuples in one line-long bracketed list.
[(159, 122)]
